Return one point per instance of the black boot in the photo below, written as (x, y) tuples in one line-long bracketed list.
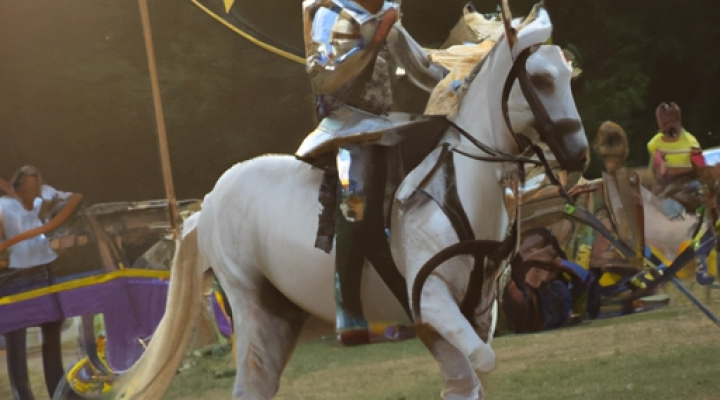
[(350, 228), (351, 325)]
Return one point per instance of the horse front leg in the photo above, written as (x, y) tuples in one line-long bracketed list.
[(439, 309), (459, 380), (418, 235)]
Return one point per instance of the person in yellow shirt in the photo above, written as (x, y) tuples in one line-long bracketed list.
[(672, 147), (674, 156)]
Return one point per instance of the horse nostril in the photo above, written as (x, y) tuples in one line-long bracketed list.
[(567, 126), (584, 159)]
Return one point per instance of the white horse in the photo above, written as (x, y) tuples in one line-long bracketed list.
[(257, 226)]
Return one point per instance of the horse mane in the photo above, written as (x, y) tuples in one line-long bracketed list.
[(448, 95), (468, 80), (472, 27), (465, 86)]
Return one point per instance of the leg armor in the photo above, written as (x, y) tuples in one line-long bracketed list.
[(353, 170)]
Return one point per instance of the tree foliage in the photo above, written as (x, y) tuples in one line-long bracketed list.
[(76, 99), (637, 54)]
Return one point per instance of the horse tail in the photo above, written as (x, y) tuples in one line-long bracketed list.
[(151, 376)]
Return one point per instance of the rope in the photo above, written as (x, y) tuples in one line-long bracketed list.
[(252, 39)]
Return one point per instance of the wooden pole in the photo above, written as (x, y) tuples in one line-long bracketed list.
[(159, 119)]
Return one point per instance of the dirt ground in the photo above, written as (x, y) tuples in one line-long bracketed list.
[(315, 330), (70, 357)]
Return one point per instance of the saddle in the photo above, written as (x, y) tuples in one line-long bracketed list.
[(392, 165)]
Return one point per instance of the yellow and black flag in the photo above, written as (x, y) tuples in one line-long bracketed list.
[(275, 25)]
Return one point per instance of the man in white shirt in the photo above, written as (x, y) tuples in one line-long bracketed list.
[(22, 230)]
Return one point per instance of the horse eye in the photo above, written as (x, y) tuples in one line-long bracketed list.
[(543, 81)]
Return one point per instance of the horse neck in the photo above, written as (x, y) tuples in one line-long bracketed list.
[(480, 114)]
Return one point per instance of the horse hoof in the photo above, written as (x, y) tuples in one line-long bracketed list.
[(354, 337), (482, 360)]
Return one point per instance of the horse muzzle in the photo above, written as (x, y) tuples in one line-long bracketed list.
[(568, 142)]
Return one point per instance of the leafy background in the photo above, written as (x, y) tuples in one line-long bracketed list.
[(75, 95)]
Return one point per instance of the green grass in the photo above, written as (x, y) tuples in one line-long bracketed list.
[(666, 354)]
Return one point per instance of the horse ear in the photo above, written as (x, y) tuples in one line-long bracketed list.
[(510, 33), (469, 8)]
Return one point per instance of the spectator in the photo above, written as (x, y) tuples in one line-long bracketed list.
[(22, 215)]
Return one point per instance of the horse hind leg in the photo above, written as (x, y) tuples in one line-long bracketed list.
[(267, 328)]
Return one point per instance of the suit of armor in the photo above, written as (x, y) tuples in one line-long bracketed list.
[(352, 56)]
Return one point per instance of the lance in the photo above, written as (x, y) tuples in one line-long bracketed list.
[(159, 120)]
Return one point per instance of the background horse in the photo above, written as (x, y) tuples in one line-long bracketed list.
[(257, 229)]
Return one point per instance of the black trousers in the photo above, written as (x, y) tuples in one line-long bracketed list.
[(15, 343), (15, 281)]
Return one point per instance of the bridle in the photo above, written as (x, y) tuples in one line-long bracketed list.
[(489, 254), (547, 129)]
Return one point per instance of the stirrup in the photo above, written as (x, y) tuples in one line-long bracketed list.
[(345, 322), (351, 330)]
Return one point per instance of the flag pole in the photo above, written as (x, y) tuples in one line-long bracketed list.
[(159, 119)]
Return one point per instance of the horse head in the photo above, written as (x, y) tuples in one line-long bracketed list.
[(518, 95), (530, 80), (540, 104)]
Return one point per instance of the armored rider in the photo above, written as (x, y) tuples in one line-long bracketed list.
[(353, 49)]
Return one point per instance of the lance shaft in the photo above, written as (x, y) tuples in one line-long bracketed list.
[(159, 119)]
